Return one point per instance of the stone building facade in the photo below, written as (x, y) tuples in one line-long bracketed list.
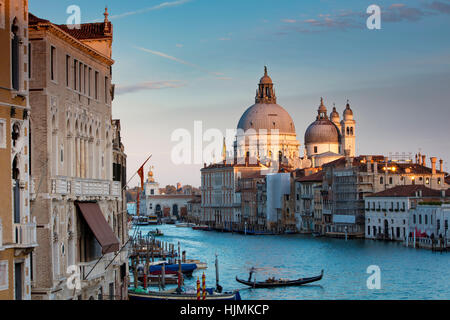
[(388, 212), (72, 163), (17, 227), (349, 180)]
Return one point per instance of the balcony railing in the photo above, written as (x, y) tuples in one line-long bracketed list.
[(25, 234), (85, 187)]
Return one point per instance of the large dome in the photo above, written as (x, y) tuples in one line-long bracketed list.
[(267, 116), (322, 131)]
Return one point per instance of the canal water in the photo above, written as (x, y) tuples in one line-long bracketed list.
[(406, 273)]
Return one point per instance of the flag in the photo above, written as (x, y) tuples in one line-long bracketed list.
[(141, 175), (140, 172)]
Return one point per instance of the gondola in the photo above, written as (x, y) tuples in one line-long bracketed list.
[(172, 295), (272, 283)]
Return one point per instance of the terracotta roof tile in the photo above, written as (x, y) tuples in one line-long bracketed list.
[(86, 31), (409, 191), (316, 177)]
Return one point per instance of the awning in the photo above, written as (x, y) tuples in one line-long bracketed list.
[(99, 226)]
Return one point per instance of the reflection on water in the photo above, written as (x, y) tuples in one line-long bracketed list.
[(406, 273)]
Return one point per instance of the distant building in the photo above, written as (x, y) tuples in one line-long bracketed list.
[(166, 205), (430, 218), (194, 209), (388, 212), (307, 201), (348, 181), (327, 139)]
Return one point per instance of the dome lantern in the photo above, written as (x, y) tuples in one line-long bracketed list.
[(348, 112), (265, 92)]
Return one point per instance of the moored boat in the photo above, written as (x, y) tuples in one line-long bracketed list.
[(201, 227), (156, 233), (152, 219), (186, 268), (140, 221), (182, 295), (200, 265)]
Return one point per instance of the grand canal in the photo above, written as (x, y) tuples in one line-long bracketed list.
[(406, 273)]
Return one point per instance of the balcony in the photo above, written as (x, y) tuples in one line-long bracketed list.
[(25, 234), (66, 186)]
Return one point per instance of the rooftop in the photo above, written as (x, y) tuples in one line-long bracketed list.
[(98, 30), (410, 191), (315, 177)]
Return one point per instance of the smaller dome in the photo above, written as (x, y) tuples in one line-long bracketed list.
[(348, 111), (334, 113), (322, 131)]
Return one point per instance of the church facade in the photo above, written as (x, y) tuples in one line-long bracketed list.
[(266, 144), (266, 134)]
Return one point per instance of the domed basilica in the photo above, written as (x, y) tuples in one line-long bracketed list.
[(266, 133)]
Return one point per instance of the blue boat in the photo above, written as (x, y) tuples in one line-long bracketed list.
[(186, 268)]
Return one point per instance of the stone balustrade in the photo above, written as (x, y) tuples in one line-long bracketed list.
[(25, 234), (85, 187)]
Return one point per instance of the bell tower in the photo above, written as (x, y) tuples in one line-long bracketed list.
[(348, 132)]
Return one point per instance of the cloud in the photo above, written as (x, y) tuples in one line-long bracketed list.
[(348, 19), (162, 5), (166, 56), (439, 6), (401, 13), (224, 39), (150, 85), (179, 45)]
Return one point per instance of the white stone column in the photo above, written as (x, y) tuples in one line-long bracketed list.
[(81, 157), (77, 157)]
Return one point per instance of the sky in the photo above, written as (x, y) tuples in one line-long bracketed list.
[(180, 61)]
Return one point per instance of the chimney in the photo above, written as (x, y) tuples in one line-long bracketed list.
[(348, 162), (441, 165), (369, 164), (416, 158), (433, 165), (375, 167), (419, 157), (424, 160)]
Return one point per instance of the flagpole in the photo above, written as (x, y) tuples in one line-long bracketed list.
[(136, 172)]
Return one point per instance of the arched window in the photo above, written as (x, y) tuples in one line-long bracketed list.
[(348, 130), (381, 180), (15, 133), (351, 130), (15, 55)]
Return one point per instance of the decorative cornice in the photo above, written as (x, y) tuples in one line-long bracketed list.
[(65, 36)]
